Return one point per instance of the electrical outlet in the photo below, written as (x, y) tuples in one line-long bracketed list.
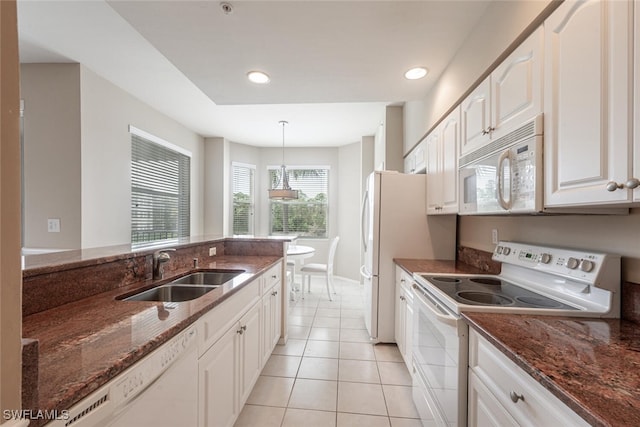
[(53, 225), (494, 236), (212, 251)]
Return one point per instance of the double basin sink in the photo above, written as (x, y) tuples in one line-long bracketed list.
[(187, 287)]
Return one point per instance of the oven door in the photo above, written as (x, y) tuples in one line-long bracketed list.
[(440, 359)]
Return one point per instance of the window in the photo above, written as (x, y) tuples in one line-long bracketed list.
[(307, 216), (160, 190), (243, 198)]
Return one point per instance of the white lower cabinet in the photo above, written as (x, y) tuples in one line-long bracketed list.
[(228, 371), (271, 318), (404, 315), (237, 338), (502, 394)]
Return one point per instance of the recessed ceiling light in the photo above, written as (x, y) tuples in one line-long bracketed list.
[(416, 73), (258, 77)]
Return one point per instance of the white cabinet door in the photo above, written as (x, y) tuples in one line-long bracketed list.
[(476, 118), (276, 315), (516, 86), (408, 330), (586, 99), (434, 175), (636, 104), (449, 140), (484, 410), (218, 382), (399, 313), (266, 328), (442, 166), (419, 157), (250, 355)]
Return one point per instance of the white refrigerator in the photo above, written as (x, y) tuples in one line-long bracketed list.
[(395, 225)]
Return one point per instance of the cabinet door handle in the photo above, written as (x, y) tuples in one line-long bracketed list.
[(515, 396), (242, 329), (274, 276), (631, 184), (274, 293), (402, 298)]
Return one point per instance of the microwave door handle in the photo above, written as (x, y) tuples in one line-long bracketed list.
[(500, 180)]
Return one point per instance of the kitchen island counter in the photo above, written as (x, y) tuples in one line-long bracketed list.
[(86, 343)]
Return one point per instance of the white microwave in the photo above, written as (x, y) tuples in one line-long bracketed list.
[(504, 176)]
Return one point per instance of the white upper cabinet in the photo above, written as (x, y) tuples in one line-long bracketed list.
[(587, 103), (476, 118), (506, 99), (516, 86), (415, 162), (636, 102), (442, 166)]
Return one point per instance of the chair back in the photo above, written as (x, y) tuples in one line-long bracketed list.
[(332, 254)]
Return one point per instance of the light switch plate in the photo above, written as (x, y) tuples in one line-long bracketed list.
[(53, 225), (212, 251)]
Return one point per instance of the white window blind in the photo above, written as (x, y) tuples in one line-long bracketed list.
[(243, 198), (308, 215), (160, 192)]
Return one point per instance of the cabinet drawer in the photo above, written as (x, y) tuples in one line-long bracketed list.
[(503, 377), (217, 321), (271, 278)]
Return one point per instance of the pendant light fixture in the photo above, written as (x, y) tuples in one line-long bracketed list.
[(284, 193)]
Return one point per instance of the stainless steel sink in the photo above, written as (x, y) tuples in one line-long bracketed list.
[(172, 293), (186, 288), (211, 277)]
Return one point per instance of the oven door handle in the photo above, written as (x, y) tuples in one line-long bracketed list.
[(434, 307)]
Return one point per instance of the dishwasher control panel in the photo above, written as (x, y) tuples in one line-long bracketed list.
[(146, 371)]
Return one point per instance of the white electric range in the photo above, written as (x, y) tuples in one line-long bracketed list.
[(533, 280)]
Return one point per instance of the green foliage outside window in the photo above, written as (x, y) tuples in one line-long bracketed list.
[(306, 216)]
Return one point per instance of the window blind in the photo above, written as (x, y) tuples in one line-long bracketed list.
[(243, 198), (160, 192), (308, 215)]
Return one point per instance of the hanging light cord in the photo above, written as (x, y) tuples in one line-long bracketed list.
[(285, 177)]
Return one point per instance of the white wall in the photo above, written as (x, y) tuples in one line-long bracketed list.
[(107, 111), (349, 176), (51, 94), (216, 184)]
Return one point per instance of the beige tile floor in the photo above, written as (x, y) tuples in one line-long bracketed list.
[(328, 374)]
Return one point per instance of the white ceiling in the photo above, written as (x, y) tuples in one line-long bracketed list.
[(334, 65)]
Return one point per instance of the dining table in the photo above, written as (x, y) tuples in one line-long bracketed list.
[(297, 253)]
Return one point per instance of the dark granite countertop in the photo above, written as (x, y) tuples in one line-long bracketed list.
[(86, 343), (592, 365), (436, 266)]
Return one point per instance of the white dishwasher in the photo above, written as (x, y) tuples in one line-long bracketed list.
[(160, 391)]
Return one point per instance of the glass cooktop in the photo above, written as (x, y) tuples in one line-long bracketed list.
[(491, 291)]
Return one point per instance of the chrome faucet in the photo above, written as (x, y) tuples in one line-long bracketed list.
[(160, 257)]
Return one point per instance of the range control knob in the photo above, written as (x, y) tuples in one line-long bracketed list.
[(572, 263), (586, 265), (499, 250), (545, 258), (506, 250)]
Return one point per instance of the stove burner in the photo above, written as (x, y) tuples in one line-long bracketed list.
[(446, 279), (487, 281), (484, 298), (541, 302)]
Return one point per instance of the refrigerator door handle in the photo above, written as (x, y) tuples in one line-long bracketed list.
[(364, 227), (363, 273)]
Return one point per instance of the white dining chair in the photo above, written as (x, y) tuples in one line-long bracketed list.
[(326, 270)]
